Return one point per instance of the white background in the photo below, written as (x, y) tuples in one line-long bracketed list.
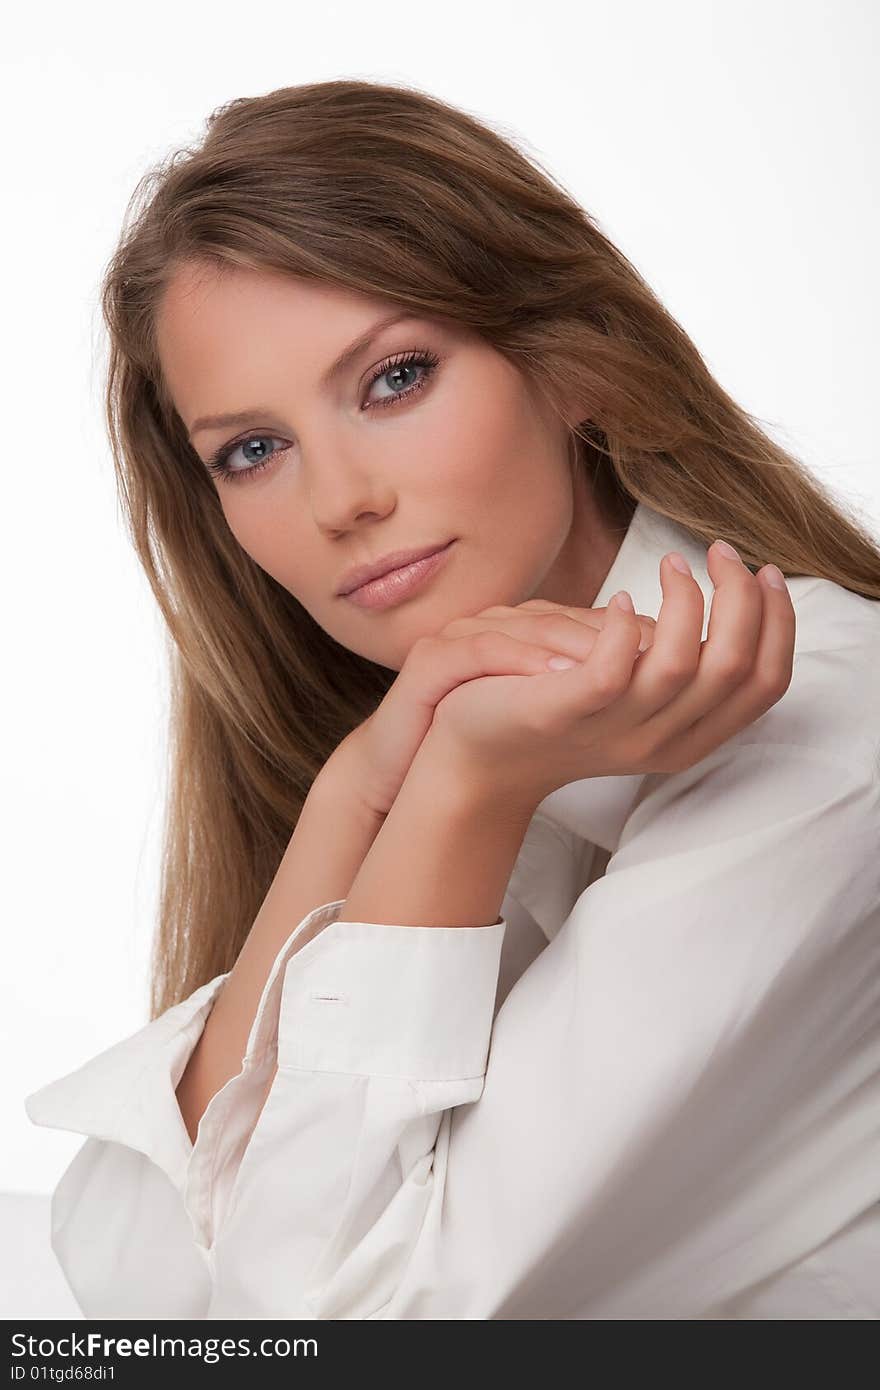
[(729, 149)]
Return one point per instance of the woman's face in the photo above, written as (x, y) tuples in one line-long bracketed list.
[(382, 455)]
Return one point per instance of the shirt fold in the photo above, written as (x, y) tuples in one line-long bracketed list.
[(682, 1095)]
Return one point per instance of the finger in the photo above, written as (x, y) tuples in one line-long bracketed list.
[(596, 618), (588, 617), (436, 665), (555, 631), (592, 617), (723, 662), (769, 679), (542, 603), (587, 614), (500, 615), (599, 681), (670, 665)]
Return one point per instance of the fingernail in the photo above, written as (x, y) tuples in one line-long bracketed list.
[(773, 576), (678, 562), (623, 601), (560, 663), (727, 550)]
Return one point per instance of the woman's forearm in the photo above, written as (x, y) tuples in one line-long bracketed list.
[(446, 851), (332, 836)]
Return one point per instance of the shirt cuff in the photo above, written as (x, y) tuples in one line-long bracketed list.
[(378, 999), (127, 1093)]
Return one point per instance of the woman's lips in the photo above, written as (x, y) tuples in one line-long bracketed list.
[(398, 584)]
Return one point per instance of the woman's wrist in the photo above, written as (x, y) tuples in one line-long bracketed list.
[(343, 785), (458, 841), (462, 785)]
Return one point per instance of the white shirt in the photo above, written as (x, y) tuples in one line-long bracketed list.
[(650, 1091)]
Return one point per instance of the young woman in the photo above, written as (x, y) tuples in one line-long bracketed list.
[(488, 984)]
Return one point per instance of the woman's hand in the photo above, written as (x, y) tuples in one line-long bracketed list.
[(617, 713), (375, 758)]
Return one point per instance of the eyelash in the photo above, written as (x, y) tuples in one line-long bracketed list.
[(418, 357)]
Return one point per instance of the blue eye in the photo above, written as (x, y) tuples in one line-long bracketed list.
[(218, 463), (428, 361)]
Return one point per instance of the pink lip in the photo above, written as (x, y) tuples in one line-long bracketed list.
[(398, 584)]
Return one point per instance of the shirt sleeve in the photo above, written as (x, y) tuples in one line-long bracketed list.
[(129, 1213), (681, 1095)]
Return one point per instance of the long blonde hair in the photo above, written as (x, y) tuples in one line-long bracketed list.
[(389, 191)]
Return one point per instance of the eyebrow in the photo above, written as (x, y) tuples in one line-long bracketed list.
[(241, 417)]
